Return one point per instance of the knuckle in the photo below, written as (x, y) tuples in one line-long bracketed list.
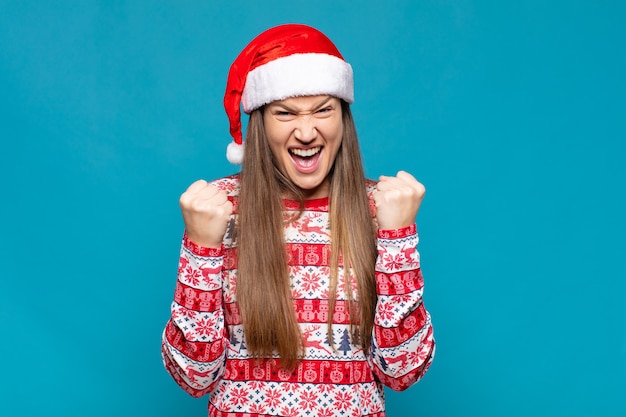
[(184, 200)]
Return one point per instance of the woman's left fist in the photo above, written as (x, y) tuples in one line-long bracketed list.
[(397, 200)]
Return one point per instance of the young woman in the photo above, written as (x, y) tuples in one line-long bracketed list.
[(299, 289)]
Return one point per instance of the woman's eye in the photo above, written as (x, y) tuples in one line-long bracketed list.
[(324, 110), (283, 115)]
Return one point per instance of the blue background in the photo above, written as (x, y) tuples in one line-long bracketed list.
[(512, 114)]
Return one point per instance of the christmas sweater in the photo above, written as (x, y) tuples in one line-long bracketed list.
[(204, 347)]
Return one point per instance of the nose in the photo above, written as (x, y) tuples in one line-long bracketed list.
[(305, 131)]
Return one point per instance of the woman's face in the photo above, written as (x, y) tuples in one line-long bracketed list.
[(304, 134)]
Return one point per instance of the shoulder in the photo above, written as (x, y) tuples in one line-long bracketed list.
[(230, 184)]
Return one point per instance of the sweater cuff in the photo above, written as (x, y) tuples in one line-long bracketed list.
[(201, 250), (397, 233)]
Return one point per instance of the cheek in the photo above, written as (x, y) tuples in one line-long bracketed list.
[(275, 138), (275, 149), (335, 137)]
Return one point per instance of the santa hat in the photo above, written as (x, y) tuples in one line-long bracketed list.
[(284, 61)]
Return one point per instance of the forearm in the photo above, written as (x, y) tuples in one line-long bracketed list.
[(194, 339), (403, 343)]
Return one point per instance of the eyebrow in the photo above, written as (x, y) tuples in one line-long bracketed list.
[(293, 110)]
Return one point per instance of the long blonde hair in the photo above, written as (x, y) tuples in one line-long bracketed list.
[(263, 287)]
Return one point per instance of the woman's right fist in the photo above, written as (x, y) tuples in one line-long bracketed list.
[(206, 213)]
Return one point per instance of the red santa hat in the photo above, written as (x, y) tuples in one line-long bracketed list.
[(285, 61)]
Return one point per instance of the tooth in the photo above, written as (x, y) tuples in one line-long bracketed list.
[(306, 152)]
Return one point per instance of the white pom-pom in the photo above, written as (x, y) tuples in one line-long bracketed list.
[(234, 153)]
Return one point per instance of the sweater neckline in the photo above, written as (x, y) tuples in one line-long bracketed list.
[(320, 204)]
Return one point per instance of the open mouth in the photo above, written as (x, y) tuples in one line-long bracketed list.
[(305, 160)]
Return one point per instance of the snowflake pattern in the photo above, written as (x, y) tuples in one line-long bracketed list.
[(206, 327), (310, 282)]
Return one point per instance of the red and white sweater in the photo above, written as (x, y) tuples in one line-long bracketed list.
[(204, 346)]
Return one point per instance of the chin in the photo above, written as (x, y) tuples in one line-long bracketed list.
[(313, 190)]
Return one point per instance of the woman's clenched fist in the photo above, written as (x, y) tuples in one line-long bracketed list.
[(206, 213), (397, 200)]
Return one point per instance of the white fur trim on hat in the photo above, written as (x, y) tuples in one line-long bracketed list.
[(298, 75), (234, 153)]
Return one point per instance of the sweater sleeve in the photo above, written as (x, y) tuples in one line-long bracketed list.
[(194, 340), (403, 346)]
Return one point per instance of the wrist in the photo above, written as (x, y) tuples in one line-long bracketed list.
[(398, 232), (201, 248)]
